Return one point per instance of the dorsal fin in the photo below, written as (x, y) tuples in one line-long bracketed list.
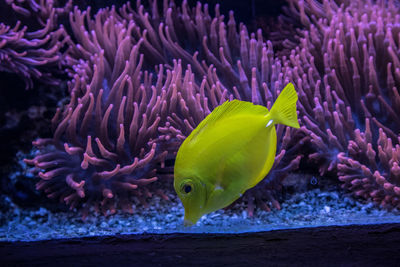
[(228, 109)]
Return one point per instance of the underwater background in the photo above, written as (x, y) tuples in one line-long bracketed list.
[(97, 96)]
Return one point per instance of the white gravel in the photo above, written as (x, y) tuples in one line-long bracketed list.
[(312, 208)]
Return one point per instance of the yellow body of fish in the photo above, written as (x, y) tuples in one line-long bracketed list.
[(229, 152)]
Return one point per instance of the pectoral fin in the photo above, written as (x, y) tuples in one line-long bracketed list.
[(220, 198)]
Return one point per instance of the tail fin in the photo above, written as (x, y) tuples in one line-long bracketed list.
[(284, 109)]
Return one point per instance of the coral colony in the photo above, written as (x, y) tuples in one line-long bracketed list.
[(33, 53), (141, 79), (351, 93)]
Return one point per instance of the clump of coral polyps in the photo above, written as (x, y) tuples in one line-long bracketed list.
[(371, 170), (141, 81), (125, 118), (347, 70), (102, 152), (33, 54)]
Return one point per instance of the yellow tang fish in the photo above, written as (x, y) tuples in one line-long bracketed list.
[(229, 152)]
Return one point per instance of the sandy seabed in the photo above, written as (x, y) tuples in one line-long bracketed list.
[(308, 209)]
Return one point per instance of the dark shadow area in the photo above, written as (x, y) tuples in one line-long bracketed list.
[(354, 245)]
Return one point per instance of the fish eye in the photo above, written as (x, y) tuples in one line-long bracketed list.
[(186, 188)]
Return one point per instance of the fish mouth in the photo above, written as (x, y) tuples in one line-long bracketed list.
[(190, 219), (187, 223)]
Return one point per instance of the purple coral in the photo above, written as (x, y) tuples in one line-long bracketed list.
[(141, 82), (102, 151), (91, 156), (32, 54), (40, 9), (235, 64), (361, 171), (348, 53)]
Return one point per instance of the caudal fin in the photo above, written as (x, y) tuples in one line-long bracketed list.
[(284, 109)]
